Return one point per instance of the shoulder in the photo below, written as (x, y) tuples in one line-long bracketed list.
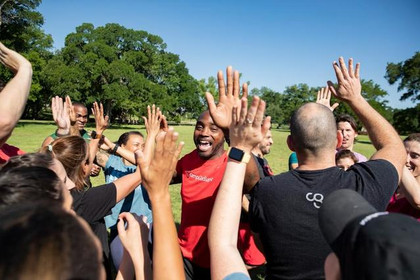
[(360, 157)]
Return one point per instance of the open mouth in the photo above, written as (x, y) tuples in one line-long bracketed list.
[(203, 145)]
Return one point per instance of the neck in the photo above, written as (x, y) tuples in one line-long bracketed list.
[(257, 152), (321, 160)]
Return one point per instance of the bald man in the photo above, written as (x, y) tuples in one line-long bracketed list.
[(284, 208)]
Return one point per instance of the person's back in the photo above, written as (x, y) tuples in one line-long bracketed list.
[(284, 208), (285, 211)]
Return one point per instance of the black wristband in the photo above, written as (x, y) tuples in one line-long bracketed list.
[(60, 135), (114, 150)]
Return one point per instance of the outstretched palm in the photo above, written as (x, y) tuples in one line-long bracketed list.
[(228, 98)]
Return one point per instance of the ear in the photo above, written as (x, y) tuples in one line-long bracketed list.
[(290, 143), (339, 139)]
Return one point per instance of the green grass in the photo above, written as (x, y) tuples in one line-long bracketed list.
[(28, 135)]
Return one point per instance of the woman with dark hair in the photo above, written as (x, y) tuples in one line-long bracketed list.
[(406, 199), (42, 241)]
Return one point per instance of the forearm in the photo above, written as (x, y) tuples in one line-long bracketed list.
[(381, 133), (127, 184), (13, 99), (167, 258), (224, 223), (126, 269), (410, 188), (126, 154)]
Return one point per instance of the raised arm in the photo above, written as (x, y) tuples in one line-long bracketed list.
[(14, 95), (245, 133), (154, 123), (157, 171), (383, 136), (101, 123)]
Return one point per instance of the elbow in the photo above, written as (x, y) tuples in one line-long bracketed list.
[(7, 125)]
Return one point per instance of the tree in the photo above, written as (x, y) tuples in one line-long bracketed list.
[(408, 75), (20, 30), (407, 121), (125, 69)]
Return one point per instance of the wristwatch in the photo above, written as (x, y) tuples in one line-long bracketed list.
[(95, 135), (238, 155)]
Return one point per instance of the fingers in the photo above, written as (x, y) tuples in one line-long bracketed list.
[(338, 72), (259, 116), (332, 88), (230, 81), (236, 87), (357, 72), (221, 83), (210, 102), (351, 74), (343, 68), (245, 90), (334, 106), (243, 114), (266, 125)]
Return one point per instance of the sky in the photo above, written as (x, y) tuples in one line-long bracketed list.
[(272, 43)]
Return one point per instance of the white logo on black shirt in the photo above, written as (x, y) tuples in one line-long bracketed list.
[(316, 198)]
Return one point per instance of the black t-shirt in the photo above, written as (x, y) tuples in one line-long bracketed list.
[(93, 205), (284, 211)]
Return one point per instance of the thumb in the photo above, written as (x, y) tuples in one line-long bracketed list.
[(210, 102)]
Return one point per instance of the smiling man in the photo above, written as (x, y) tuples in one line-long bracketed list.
[(200, 172)]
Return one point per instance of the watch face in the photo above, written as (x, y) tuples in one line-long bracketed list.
[(236, 154)]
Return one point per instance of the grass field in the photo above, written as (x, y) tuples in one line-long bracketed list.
[(28, 135)]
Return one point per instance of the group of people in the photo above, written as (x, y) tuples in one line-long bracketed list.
[(236, 214)]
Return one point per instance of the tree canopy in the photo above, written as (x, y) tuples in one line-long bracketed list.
[(125, 69), (408, 75)]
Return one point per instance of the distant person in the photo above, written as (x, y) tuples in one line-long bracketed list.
[(71, 119), (406, 199), (42, 241), (77, 118), (284, 208), (368, 244), (348, 128), (293, 161), (345, 159), (13, 97)]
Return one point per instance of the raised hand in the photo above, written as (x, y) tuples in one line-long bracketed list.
[(70, 110), (101, 121), (60, 115), (324, 97), (153, 120), (228, 97), (348, 87), (248, 127), (12, 60), (158, 168)]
